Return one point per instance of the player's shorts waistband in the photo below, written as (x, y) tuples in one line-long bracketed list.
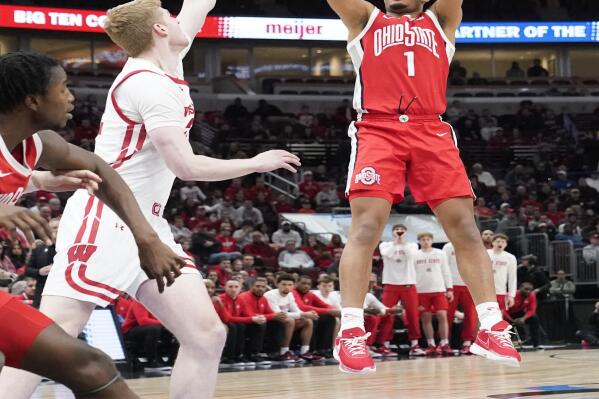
[(399, 117)]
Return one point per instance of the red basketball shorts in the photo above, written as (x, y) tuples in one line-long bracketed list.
[(20, 325), (422, 152), (433, 301)]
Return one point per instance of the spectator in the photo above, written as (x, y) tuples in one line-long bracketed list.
[(457, 72), (259, 187), (435, 288), (40, 263), (555, 215), (243, 235), (294, 259), (562, 183), (336, 245), (145, 330), (325, 326), (236, 113), (180, 232), (528, 272), (247, 212), (399, 283), (283, 204), (234, 188), (590, 253), (524, 312), (562, 287), (208, 248), (591, 337), (593, 181), (504, 270), (247, 264), (326, 292), (481, 209), (5, 262), (327, 197), (228, 243), (308, 186), (262, 252), (344, 114), (200, 219), (487, 237), (214, 278), (510, 219), (305, 117), (24, 290), (18, 256), (224, 271), (191, 191), (515, 72), (306, 207), (318, 252), (285, 234), (536, 70), (569, 232), (281, 300), (483, 176)]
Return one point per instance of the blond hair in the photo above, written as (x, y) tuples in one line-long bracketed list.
[(425, 234), (130, 25)]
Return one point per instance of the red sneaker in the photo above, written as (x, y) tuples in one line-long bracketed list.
[(352, 353), (430, 351), (465, 350), (416, 350), (447, 351), (384, 351), (496, 344)]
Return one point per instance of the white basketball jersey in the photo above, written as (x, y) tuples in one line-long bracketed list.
[(142, 98)]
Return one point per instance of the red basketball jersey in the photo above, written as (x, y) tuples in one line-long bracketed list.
[(16, 167), (401, 62)]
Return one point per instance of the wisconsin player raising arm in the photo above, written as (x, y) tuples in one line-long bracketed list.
[(402, 61)]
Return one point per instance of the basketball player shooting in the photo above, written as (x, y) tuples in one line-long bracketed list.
[(402, 61), (144, 137)]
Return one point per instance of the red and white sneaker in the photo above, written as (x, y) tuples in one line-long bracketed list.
[(430, 351), (384, 351), (416, 350), (447, 351), (496, 344), (465, 350), (352, 353)]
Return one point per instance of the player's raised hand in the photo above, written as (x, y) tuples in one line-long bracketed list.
[(59, 181), (276, 159), (30, 223), (159, 262)]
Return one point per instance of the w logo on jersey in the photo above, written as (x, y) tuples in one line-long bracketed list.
[(409, 36)]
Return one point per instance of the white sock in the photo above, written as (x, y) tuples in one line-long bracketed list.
[(414, 342), (430, 342), (489, 314), (444, 342), (284, 349), (304, 349), (352, 318), (466, 343)]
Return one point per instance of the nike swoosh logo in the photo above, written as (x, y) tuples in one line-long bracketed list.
[(441, 134), (5, 174)]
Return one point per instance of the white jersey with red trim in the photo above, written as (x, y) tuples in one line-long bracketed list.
[(453, 264), (143, 98), (432, 271), (398, 262), (505, 272), (16, 167)]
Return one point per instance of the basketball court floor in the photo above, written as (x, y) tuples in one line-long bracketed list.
[(557, 374)]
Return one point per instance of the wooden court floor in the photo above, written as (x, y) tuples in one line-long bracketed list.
[(571, 374)]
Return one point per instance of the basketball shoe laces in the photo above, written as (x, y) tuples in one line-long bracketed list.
[(503, 337), (356, 345)]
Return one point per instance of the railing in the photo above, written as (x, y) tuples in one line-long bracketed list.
[(518, 244), (280, 184), (563, 257), (538, 245)]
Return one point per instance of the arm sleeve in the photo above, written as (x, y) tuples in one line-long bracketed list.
[(319, 306), (308, 260), (446, 273), (272, 302), (532, 307), (554, 289), (295, 312), (268, 312), (281, 259), (387, 249), (512, 277)]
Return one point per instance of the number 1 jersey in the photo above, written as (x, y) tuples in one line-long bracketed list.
[(401, 63)]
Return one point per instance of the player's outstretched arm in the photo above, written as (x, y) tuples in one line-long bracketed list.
[(176, 151), (193, 15), (157, 259), (449, 13), (353, 13)]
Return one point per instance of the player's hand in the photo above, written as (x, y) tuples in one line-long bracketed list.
[(59, 181), (275, 159), (44, 271), (281, 316), (259, 319), (509, 302), (30, 223), (159, 262), (312, 315), (450, 296)]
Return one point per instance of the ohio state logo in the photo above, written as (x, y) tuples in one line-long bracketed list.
[(368, 176)]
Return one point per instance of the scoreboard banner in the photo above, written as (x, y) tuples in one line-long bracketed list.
[(72, 20)]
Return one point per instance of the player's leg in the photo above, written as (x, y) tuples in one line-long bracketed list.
[(427, 326), (453, 305), (2, 360), (391, 295), (456, 215), (88, 372), (409, 301), (186, 310), (69, 314), (306, 328), (470, 322)]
